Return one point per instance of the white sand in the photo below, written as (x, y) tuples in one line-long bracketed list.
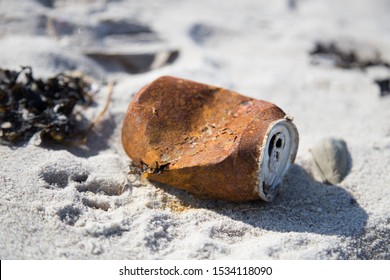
[(76, 203)]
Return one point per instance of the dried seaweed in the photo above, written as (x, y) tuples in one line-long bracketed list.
[(348, 59), (341, 58), (45, 108), (384, 86)]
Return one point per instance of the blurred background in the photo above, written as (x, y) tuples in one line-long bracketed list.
[(264, 49)]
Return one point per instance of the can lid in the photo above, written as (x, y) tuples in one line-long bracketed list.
[(278, 151)]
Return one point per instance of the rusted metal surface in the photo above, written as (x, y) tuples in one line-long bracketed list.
[(200, 138)]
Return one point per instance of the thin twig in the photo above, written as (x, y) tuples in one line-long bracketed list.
[(101, 114)]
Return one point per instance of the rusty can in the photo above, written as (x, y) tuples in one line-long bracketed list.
[(210, 141)]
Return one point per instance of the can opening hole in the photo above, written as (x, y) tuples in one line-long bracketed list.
[(271, 145), (279, 143), (276, 142)]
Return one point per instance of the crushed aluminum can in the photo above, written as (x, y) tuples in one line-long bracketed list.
[(210, 141)]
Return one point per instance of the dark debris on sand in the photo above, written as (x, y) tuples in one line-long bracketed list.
[(384, 86), (45, 108), (348, 59)]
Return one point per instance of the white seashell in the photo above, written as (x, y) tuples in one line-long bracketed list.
[(331, 160)]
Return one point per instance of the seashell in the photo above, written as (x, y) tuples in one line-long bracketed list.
[(210, 141), (331, 160)]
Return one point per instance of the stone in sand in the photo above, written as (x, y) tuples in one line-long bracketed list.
[(331, 160)]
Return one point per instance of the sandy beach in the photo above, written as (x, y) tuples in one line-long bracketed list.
[(79, 202)]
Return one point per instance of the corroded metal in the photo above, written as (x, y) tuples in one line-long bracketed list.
[(207, 140)]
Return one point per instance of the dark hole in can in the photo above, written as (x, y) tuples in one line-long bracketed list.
[(271, 145), (279, 143)]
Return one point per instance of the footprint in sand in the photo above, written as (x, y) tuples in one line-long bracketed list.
[(98, 182)]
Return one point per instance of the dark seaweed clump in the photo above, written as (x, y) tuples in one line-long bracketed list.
[(346, 59), (46, 108), (384, 86)]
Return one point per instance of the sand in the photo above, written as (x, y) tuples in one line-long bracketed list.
[(61, 202)]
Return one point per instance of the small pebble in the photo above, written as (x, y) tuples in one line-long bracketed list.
[(331, 160), (6, 125)]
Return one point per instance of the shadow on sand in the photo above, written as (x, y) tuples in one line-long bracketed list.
[(97, 140), (303, 205)]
